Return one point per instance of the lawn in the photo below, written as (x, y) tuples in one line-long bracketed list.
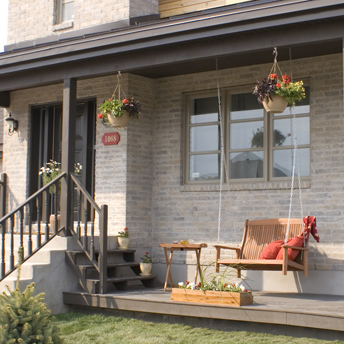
[(79, 328)]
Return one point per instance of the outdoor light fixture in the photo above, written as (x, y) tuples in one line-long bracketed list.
[(12, 124)]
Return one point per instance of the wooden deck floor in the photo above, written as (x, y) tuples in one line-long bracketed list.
[(318, 316)]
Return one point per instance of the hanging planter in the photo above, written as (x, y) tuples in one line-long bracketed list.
[(276, 92), (275, 104), (118, 112)]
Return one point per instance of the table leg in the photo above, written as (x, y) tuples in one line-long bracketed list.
[(198, 267), (168, 272)]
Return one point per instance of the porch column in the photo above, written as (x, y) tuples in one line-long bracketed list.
[(68, 150)]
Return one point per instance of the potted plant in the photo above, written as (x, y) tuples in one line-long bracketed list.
[(276, 93), (123, 239), (146, 265), (50, 172), (118, 113)]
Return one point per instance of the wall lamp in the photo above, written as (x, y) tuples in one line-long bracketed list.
[(12, 124)]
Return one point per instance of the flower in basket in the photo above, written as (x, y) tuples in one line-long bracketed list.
[(146, 258), (116, 107), (273, 85), (124, 233)]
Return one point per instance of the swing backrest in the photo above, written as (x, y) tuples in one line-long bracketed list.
[(259, 233)]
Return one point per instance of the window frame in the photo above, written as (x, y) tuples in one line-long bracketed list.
[(268, 148)]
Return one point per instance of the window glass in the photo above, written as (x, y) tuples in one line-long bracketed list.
[(67, 10), (283, 132), (246, 135), (245, 106), (204, 110), (283, 162), (246, 165), (204, 167), (204, 138)]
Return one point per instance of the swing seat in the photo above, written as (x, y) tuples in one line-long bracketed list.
[(257, 235)]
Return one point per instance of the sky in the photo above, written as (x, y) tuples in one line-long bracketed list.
[(3, 23)]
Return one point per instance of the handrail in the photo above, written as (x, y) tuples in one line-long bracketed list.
[(19, 212), (87, 206), (33, 196)]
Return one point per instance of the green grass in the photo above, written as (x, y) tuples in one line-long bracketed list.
[(86, 329)]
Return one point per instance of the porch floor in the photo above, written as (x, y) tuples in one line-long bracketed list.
[(321, 316)]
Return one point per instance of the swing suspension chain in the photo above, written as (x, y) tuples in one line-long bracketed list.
[(222, 159), (295, 161)]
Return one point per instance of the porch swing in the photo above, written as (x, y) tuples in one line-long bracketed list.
[(276, 244)]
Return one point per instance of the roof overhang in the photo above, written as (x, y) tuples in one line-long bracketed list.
[(175, 46)]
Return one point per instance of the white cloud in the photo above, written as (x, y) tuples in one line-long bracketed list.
[(3, 23)]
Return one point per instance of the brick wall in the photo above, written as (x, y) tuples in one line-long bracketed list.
[(141, 178), (32, 19)]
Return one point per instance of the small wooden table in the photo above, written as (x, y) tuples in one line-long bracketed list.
[(180, 247)]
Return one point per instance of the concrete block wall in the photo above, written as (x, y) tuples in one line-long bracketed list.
[(32, 19)]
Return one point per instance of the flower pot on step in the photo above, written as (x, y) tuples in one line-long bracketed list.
[(146, 269), (123, 243)]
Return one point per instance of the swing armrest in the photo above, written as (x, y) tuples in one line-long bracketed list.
[(218, 253), (295, 247)]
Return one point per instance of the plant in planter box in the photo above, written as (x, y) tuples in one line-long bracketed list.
[(146, 265), (214, 289), (123, 239)]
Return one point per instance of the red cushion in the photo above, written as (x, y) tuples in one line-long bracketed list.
[(271, 251), (297, 241)]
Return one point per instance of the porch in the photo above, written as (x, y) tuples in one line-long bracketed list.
[(311, 315)]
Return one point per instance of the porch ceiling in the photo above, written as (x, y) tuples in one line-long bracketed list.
[(183, 45)]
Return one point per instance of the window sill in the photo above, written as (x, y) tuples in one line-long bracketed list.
[(280, 185), (64, 25)]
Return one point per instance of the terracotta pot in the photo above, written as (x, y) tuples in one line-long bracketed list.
[(119, 122), (276, 105), (146, 268), (123, 243)]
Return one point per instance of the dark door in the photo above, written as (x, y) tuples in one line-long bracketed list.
[(46, 141)]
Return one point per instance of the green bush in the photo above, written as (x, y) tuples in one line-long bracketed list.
[(24, 318)]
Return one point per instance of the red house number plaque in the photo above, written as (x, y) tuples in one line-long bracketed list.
[(110, 139)]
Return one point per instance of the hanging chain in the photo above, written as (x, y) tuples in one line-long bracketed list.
[(118, 87), (295, 162), (223, 160)]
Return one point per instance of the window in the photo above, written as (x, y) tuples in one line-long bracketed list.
[(258, 146), (64, 10)]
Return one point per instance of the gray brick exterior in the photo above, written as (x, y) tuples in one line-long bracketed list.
[(32, 19), (141, 178)]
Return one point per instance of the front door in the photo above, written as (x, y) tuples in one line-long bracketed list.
[(46, 141)]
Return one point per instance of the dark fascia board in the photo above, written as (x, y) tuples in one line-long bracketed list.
[(168, 33)]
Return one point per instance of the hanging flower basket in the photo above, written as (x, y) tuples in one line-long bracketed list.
[(118, 112), (275, 87), (275, 104)]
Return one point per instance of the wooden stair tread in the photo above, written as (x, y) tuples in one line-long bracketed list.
[(125, 278), (111, 265)]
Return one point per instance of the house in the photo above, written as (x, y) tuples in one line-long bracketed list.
[(162, 178)]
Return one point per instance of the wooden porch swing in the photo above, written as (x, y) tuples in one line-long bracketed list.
[(265, 244)]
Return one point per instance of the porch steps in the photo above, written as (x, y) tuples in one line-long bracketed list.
[(123, 273)]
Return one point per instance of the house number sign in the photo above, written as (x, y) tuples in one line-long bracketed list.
[(110, 139)]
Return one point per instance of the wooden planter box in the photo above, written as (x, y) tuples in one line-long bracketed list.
[(212, 297)]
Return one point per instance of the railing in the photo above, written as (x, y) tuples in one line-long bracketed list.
[(83, 228), (3, 193), (40, 203)]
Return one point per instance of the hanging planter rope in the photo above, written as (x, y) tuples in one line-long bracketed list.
[(118, 112), (277, 90)]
